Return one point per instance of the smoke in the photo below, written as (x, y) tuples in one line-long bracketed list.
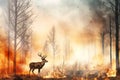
[(76, 21)]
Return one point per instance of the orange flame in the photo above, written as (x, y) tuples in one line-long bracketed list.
[(4, 59)]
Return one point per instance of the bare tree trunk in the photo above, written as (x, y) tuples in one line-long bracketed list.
[(102, 35), (117, 34), (8, 51), (15, 38), (8, 37), (110, 42)]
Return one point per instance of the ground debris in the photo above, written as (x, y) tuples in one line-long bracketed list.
[(26, 77)]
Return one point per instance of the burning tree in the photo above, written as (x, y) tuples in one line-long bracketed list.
[(8, 36), (19, 18)]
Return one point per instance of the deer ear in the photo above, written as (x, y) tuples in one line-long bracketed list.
[(39, 54)]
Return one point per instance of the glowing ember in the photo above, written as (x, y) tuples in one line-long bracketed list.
[(112, 71), (54, 74)]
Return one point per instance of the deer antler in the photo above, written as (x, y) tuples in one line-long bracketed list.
[(40, 54), (43, 57)]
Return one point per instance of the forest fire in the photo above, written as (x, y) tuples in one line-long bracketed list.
[(5, 67), (72, 46), (76, 71), (23, 68)]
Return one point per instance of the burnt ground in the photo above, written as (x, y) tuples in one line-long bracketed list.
[(26, 77)]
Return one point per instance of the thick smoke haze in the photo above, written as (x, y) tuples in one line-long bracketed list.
[(76, 21)]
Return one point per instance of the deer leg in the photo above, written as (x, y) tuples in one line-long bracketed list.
[(33, 71), (38, 70), (30, 71)]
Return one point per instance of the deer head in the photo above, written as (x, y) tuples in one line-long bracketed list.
[(42, 57)]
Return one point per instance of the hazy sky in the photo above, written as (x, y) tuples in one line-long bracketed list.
[(75, 12)]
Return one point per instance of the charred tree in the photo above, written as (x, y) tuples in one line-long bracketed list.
[(103, 33), (8, 38), (15, 34), (8, 51), (20, 13), (103, 41), (110, 40), (117, 33), (114, 6)]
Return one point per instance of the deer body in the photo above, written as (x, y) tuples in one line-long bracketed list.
[(37, 65)]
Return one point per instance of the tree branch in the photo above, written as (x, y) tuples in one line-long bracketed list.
[(111, 3)]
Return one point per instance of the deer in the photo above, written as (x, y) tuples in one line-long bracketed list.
[(37, 65)]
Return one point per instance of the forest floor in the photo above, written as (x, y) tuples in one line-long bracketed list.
[(26, 77)]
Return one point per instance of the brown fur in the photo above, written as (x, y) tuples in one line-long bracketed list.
[(37, 65)]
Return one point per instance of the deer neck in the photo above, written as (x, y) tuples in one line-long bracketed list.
[(43, 63)]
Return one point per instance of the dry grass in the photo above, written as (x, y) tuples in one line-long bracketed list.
[(26, 77)]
